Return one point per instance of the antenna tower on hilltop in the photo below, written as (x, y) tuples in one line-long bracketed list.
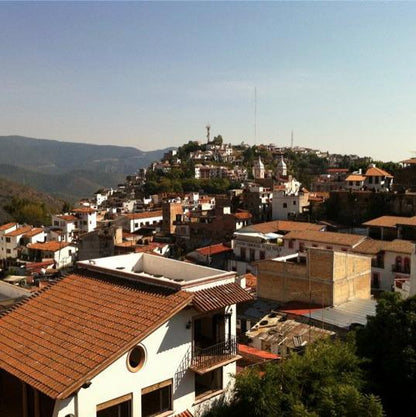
[(255, 115), (208, 127), (291, 140)]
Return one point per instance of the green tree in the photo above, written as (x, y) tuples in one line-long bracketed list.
[(388, 341), (325, 381)]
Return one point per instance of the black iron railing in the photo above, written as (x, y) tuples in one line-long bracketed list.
[(206, 357)]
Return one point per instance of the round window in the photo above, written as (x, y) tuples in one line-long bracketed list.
[(135, 359)]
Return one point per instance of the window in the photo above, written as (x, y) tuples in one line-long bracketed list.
[(329, 247), (406, 266), (357, 183), (284, 205), (119, 407), (294, 202), (8, 251), (398, 264), (375, 280), (370, 180), (262, 254), (290, 244), (56, 223), (136, 358), (376, 180), (301, 247), (243, 254), (157, 398), (208, 383), (8, 240), (252, 254)]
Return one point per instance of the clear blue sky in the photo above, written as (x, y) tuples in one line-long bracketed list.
[(151, 75)]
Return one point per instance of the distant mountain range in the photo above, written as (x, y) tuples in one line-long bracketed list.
[(69, 170)]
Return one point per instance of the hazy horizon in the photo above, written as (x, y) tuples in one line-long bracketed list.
[(153, 74)]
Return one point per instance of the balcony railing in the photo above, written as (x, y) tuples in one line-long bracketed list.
[(212, 355)]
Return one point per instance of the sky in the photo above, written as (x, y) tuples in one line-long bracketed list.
[(342, 76)]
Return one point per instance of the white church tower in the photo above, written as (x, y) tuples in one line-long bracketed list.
[(258, 169)]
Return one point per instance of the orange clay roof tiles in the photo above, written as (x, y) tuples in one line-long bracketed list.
[(355, 177), (51, 246), (35, 231), (67, 217), (65, 335), (391, 221), (20, 231), (372, 247), (243, 215), (214, 249), (213, 298), (84, 210), (326, 237), (7, 226), (377, 172), (282, 225), (144, 215)]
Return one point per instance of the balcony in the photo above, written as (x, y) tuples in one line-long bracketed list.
[(206, 359)]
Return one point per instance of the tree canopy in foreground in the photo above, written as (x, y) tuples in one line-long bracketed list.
[(326, 381)]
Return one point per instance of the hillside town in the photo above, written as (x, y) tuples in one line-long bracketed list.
[(207, 284)]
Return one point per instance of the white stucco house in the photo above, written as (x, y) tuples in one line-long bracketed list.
[(132, 222), (289, 200), (62, 253), (134, 335)]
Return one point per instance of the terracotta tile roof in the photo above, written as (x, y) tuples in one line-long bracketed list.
[(391, 221), (281, 225), (37, 266), (401, 246), (20, 231), (377, 172), (411, 161), (355, 177), (372, 247), (35, 231), (84, 210), (144, 215), (326, 237), (220, 296), (68, 217), (257, 353), (51, 246), (214, 249), (242, 215), (7, 226), (65, 335)]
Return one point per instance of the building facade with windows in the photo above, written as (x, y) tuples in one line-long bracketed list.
[(134, 335)]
